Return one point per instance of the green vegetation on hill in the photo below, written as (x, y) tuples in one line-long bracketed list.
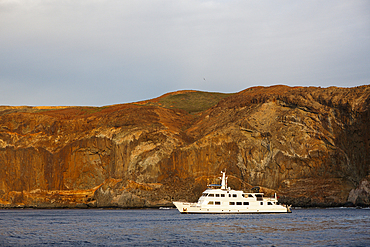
[(191, 102)]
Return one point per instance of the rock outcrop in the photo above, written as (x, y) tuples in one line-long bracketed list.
[(310, 145), (361, 195)]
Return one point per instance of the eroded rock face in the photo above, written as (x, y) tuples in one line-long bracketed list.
[(360, 196), (310, 145)]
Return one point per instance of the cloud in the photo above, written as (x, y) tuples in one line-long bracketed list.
[(106, 52)]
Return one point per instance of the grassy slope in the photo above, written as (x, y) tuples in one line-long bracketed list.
[(189, 101)]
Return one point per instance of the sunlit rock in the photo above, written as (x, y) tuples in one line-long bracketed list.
[(309, 145)]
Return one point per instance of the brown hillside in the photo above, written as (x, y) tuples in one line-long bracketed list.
[(310, 145)]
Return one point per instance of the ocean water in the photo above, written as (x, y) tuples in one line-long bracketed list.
[(154, 227)]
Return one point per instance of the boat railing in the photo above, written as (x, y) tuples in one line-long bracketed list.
[(270, 198)]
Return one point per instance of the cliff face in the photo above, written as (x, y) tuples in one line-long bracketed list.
[(310, 145)]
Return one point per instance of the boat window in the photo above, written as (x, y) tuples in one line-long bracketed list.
[(211, 195), (229, 195), (239, 203), (210, 203), (217, 203), (231, 203), (222, 195), (205, 194), (245, 203), (261, 203), (234, 195), (269, 203), (217, 195), (249, 195), (259, 197)]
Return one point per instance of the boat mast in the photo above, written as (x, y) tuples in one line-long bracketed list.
[(224, 181)]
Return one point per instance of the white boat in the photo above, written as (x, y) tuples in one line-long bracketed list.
[(222, 200)]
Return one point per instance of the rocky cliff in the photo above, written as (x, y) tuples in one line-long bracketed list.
[(310, 145)]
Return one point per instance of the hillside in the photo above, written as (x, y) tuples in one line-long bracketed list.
[(310, 145)]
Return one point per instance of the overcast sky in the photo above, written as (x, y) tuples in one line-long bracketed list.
[(100, 52)]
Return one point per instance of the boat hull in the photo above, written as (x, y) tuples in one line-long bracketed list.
[(194, 208)]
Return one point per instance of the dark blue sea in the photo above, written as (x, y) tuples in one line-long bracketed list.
[(154, 227)]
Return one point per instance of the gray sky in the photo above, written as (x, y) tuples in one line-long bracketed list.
[(100, 52)]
